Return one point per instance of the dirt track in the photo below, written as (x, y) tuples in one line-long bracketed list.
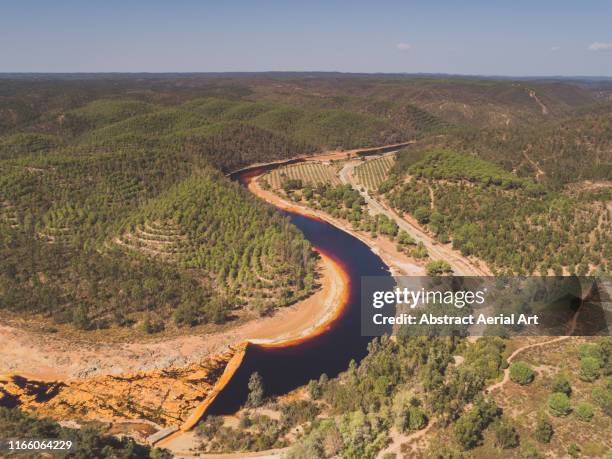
[(461, 265)]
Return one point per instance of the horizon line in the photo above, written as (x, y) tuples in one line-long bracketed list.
[(264, 72)]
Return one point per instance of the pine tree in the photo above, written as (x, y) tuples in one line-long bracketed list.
[(256, 391)]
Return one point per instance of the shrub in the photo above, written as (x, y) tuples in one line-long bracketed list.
[(505, 435), (590, 350), (209, 428), (602, 397), (544, 429), (245, 421), (314, 389), (150, 326), (573, 450), (80, 317), (559, 404), (592, 449), (584, 411), (561, 384), (420, 251), (590, 367), (438, 268), (521, 373), (529, 451), (298, 412)]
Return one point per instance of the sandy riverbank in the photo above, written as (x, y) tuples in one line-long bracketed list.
[(319, 318), (47, 357)]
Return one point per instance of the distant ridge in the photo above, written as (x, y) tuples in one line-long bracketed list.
[(321, 73)]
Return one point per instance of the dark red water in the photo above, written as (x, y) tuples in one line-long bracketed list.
[(286, 368)]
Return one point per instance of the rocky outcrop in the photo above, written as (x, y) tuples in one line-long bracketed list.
[(163, 396)]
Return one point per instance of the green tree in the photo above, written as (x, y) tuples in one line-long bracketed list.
[(438, 268), (417, 418), (559, 404), (422, 214), (420, 251), (314, 389), (590, 368), (521, 373), (186, 313), (410, 417), (404, 238), (602, 397), (584, 411), (470, 425), (590, 350), (256, 391), (467, 430)]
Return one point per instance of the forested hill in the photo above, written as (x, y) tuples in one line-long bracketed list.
[(274, 114), (515, 224), (569, 149), (140, 237)]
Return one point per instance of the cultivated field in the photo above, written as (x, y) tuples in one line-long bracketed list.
[(373, 172), (310, 173)]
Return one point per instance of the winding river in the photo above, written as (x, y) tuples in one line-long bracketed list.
[(286, 367)]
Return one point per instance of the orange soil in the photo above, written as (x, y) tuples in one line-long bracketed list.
[(47, 357), (331, 307)]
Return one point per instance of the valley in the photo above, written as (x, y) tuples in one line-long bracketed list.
[(165, 240)]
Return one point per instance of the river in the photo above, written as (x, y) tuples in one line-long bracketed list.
[(288, 367)]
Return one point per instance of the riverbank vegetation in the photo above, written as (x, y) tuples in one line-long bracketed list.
[(404, 385), (338, 200), (409, 384)]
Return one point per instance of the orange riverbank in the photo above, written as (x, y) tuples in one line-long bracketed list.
[(332, 306)]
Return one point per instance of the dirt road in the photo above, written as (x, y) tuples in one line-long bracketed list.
[(460, 264)]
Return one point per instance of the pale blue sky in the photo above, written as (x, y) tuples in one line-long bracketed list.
[(491, 37)]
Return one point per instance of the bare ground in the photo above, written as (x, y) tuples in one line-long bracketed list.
[(47, 357)]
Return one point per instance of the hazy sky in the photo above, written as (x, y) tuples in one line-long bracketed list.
[(493, 37)]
